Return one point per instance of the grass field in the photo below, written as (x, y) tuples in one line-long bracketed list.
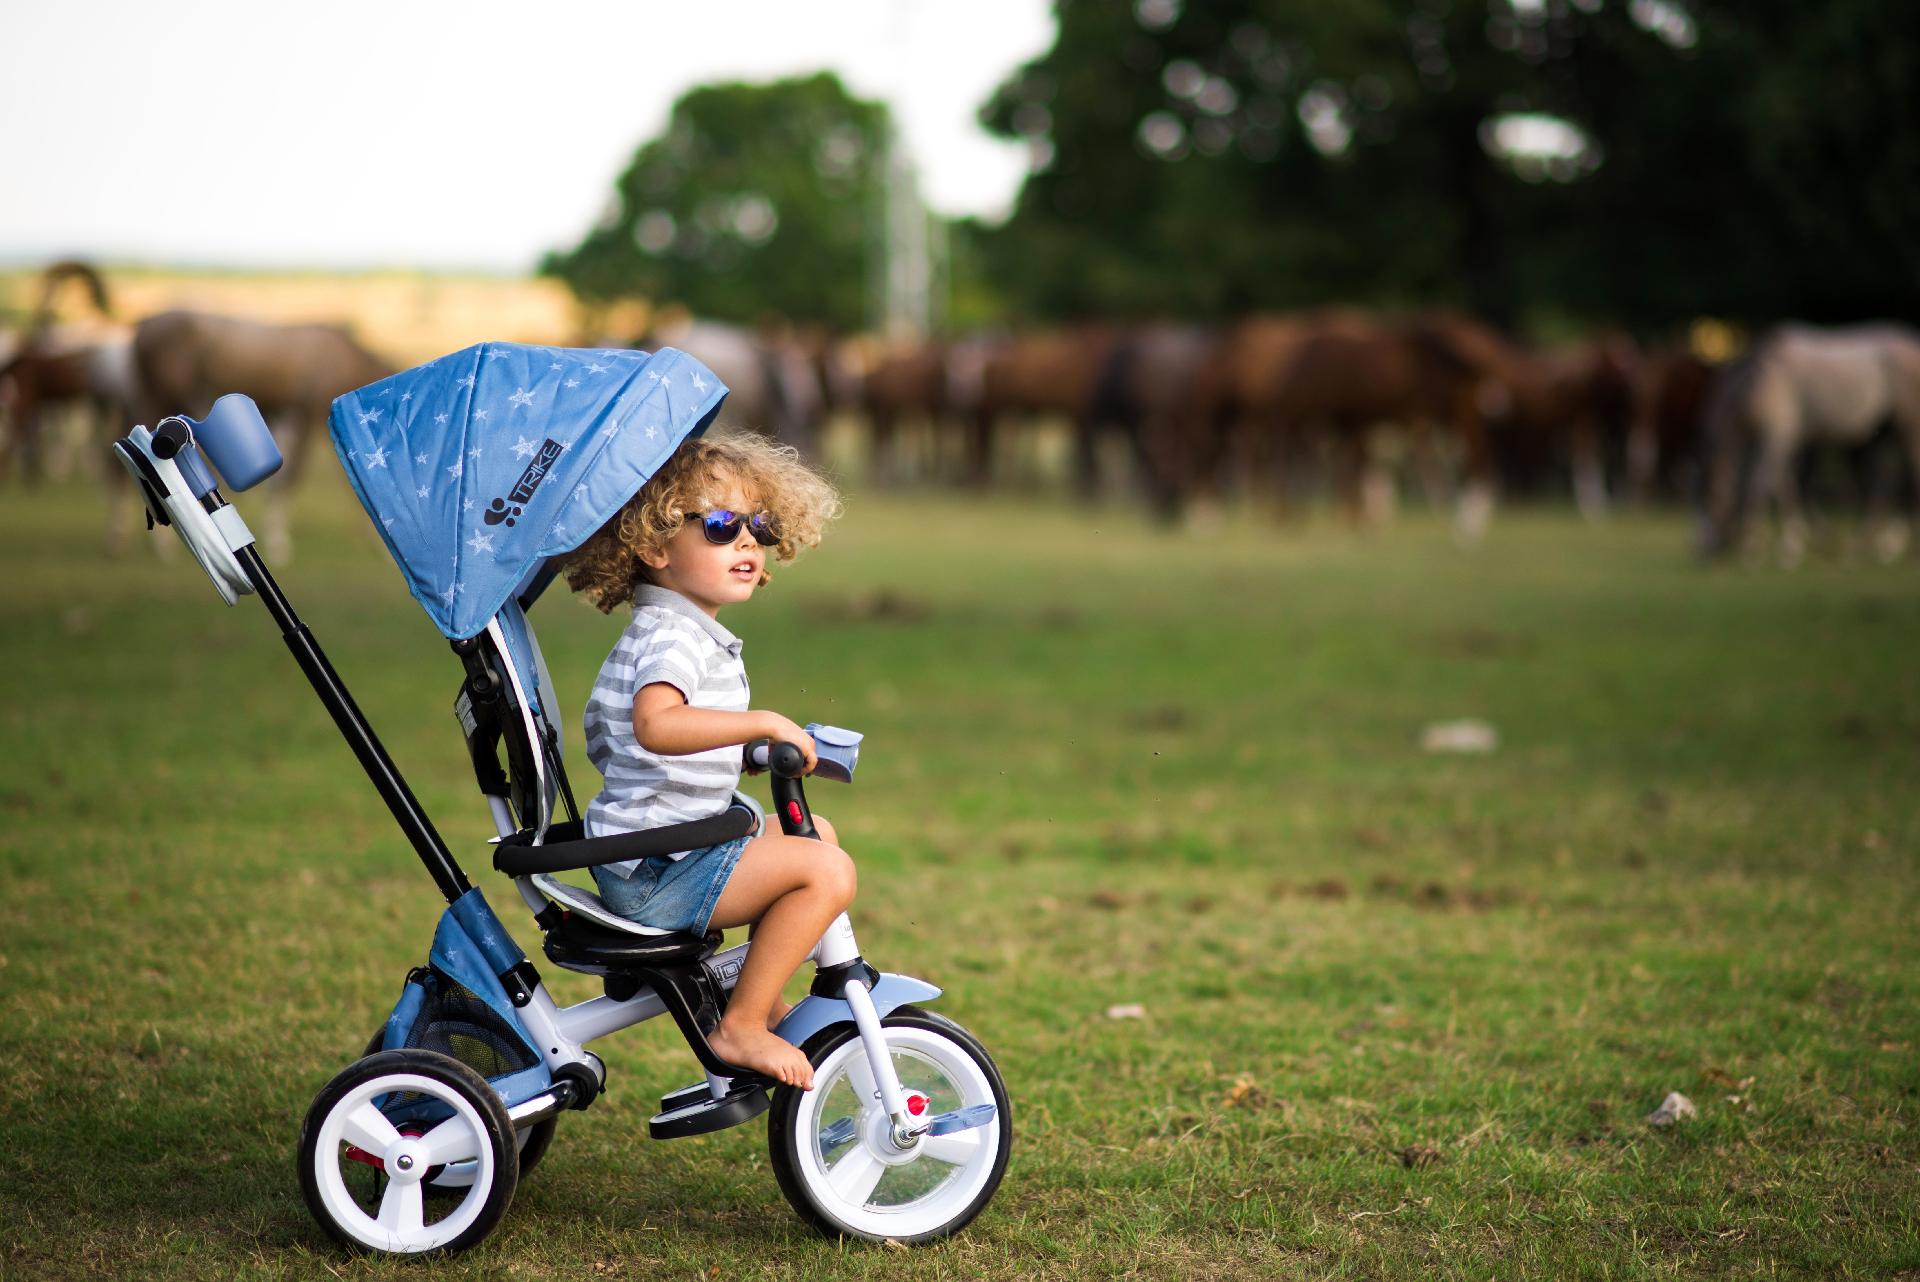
[(1404, 1013)]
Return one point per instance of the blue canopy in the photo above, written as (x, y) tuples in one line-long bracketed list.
[(479, 465)]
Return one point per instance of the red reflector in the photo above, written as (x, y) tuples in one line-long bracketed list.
[(916, 1104), (793, 813)]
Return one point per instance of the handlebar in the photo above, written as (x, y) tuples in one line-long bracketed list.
[(786, 760), (837, 752)]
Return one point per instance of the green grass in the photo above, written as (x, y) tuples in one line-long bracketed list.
[(1105, 765)]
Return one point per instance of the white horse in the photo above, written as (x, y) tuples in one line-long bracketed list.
[(1801, 387), (772, 385)]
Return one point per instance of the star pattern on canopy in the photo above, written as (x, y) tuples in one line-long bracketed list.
[(453, 458)]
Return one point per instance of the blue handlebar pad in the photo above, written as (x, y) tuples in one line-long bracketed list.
[(837, 750)]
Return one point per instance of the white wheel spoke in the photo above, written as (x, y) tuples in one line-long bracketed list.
[(368, 1129), (854, 1176), (400, 1210), (453, 1140), (956, 1149), (860, 1076)]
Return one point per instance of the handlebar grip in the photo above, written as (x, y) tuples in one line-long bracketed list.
[(786, 760)]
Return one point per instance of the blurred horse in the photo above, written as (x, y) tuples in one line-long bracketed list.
[(1240, 400), (902, 382), (1041, 373), (1549, 413), (1150, 392), (52, 372), (293, 372), (1349, 375), (1664, 441), (52, 367), (773, 384), (1800, 387), (1275, 385)]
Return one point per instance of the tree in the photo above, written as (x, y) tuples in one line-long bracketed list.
[(1200, 157), (757, 199)]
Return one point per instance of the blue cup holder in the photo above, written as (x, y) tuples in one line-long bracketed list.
[(236, 440)]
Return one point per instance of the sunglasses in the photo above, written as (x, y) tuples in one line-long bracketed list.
[(722, 526)]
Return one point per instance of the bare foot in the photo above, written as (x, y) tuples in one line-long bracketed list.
[(757, 1048), (778, 1013)]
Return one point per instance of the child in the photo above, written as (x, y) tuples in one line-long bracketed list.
[(669, 714)]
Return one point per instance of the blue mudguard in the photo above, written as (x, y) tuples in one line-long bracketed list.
[(811, 1013)]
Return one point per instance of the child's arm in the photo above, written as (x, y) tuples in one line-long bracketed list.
[(664, 723)]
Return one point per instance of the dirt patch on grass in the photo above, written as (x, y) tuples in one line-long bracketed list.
[(1458, 897)]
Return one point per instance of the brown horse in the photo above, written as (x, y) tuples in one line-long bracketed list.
[(52, 372), (1545, 410), (187, 359), (1040, 373), (1669, 408), (1350, 375), (1239, 411), (53, 368), (902, 383), (1150, 392)]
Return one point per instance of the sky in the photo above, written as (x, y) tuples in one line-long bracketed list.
[(417, 133)]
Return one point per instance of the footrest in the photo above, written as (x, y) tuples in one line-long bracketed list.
[(704, 1115), (684, 1096)]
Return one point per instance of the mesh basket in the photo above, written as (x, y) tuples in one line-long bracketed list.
[(455, 1005), (454, 1021)]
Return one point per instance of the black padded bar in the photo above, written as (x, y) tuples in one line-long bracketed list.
[(514, 857)]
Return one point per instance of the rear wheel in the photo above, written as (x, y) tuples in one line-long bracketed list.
[(365, 1179), (532, 1141), (832, 1150)]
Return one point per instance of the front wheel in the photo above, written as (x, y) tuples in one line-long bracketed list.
[(387, 1124), (832, 1149)]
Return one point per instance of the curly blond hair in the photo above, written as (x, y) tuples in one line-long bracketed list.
[(608, 567)]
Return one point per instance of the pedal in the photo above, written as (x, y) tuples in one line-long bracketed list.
[(705, 1115)]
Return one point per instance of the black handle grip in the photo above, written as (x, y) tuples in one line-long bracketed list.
[(170, 438), (787, 761)]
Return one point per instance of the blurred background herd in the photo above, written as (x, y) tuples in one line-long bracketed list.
[(1266, 255)]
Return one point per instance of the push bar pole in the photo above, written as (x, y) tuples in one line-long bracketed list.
[(393, 789)]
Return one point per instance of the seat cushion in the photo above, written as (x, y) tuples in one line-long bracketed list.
[(584, 903)]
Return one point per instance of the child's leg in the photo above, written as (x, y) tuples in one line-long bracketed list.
[(791, 888), (781, 1005)]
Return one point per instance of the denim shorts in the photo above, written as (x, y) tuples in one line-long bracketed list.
[(672, 894)]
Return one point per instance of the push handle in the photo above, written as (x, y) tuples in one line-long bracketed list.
[(172, 436), (173, 439)]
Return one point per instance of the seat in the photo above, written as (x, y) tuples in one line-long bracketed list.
[(583, 903), (590, 948)]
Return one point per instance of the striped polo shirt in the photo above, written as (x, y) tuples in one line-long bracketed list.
[(670, 640)]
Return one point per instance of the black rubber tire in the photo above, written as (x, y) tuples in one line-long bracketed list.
[(539, 1140), (783, 1156), (449, 1072), (532, 1149)]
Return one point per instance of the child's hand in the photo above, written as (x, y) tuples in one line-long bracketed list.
[(780, 730)]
